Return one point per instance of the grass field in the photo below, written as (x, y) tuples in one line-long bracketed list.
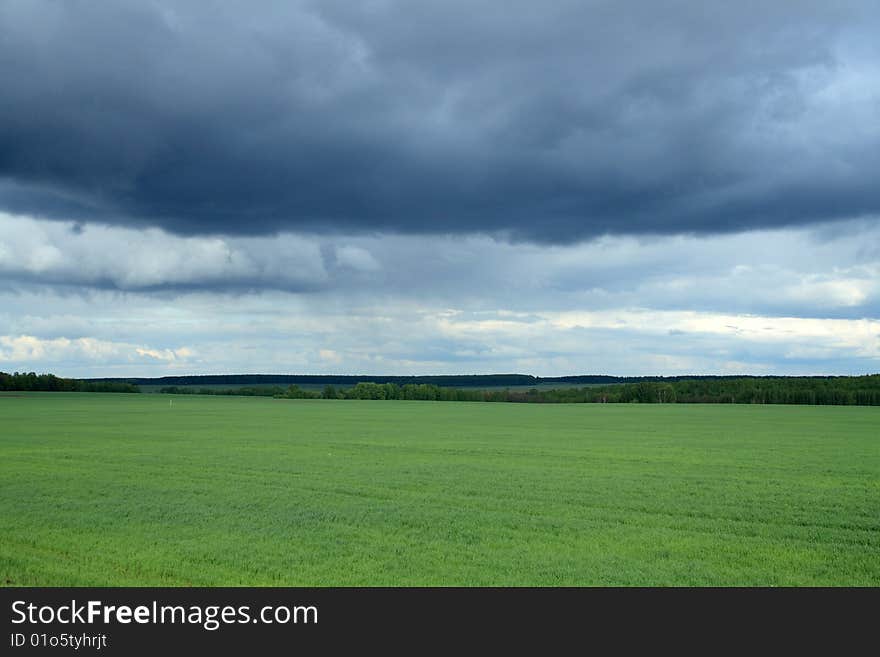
[(130, 490)]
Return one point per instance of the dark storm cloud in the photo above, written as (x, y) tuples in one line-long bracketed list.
[(545, 122)]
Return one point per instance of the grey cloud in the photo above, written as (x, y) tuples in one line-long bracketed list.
[(793, 272), (803, 272), (548, 122)]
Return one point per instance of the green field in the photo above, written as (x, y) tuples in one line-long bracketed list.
[(100, 489)]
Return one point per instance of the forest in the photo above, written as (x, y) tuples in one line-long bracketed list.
[(828, 390), (31, 381), (846, 391)]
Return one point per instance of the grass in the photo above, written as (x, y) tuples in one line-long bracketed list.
[(129, 490)]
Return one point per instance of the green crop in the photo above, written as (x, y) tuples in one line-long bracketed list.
[(144, 490)]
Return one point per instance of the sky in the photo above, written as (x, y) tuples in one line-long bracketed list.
[(439, 187)]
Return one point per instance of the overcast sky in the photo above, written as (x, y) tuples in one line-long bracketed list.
[(424, 187)]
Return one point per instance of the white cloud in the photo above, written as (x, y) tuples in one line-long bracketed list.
[(30, 352), (330, 356), (835, 293), (169, 355), (129, 259)]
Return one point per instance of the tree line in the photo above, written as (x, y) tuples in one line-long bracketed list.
[(837, 390), (31, 381), (844, 391), (242, 381), (261, 391)]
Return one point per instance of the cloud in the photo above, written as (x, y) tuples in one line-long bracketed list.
[(94, 300), (548, 122), (129, 259), (356, 258), (169, 355), (281, 332), (820, 272), (330, 356), (27, 352)]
